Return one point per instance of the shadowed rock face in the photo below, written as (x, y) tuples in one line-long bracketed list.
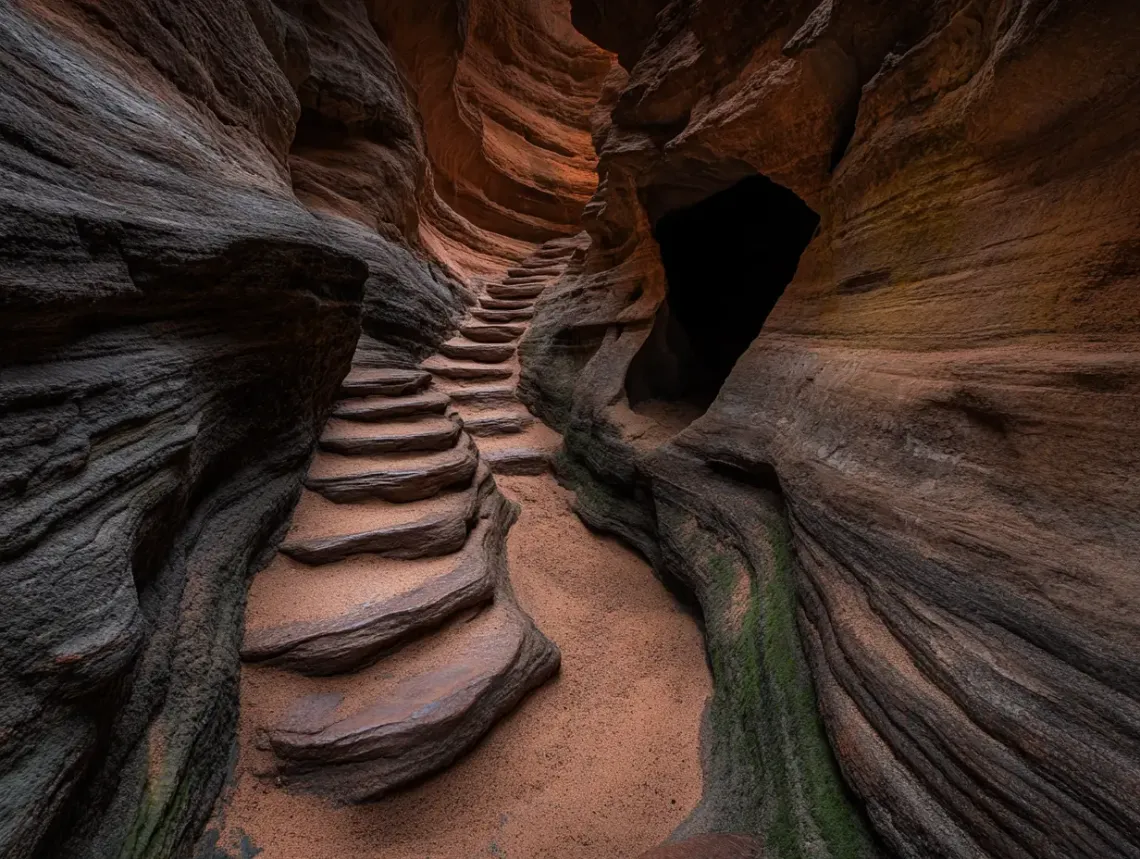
[(937, 414), (174, 328), (202, 204)]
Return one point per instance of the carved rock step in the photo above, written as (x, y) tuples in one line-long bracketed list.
[(519, 292), (450, 369), (462, 349), (324, 532), (412, 713), (482, 396), (491, 423), (502, 333), (505, 303), (384, 408), (352, 438), (528, 453), (366, 381), (520, 461), (500, 316), (359, 608), (395, 477)]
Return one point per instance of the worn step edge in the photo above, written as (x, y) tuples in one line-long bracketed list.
[(502, 317), (519, 461), (381, 382), (357, 637), (497, 423), (369, 763), (485, 395), (490, 303), (430, 536), (463, 371), (515, 293), (492, 333), (382, 408), (452, 468), (394, 441), (481, 353)]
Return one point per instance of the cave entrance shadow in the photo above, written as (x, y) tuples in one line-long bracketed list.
[(727, 260)]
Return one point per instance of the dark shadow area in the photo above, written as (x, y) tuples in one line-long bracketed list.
[(727, 259)]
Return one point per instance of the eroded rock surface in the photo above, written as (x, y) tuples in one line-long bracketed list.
[(937, 415)]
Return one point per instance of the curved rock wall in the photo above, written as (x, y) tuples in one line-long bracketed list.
[(505, 90), (940, 409), (201, 206)]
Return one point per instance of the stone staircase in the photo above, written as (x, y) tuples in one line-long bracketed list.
[(387, 617)]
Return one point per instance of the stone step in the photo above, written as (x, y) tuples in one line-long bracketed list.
[(519, 461), (360, 608), (491, 423), (385, 408), (515, 293), (482, 396), (352, 438), (531, 452), (501, 316), (451, 369), (489, 303), (462, 349), (324, 532), (394, 477), (410, 714), (502, 333), (365, 382)]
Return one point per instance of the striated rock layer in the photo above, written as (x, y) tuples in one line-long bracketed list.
[(926, 455), (505, 89)]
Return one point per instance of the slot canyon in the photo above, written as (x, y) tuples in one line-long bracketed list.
[(551, 429)]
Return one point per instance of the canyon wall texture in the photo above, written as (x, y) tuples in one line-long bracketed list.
[(203, 206), (924, 463)]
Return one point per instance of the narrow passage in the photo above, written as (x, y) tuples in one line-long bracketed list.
[(396, 635)]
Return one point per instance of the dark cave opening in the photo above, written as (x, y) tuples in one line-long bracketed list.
[(727, 259)]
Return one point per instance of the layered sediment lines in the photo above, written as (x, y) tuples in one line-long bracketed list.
[(505, 90), (939, 408)]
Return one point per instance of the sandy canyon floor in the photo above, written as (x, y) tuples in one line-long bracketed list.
[(601, 762)]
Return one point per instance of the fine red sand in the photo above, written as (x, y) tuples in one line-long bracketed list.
[(601, 762)]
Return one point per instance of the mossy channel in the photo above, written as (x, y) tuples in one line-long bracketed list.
[(765, 716), (769, 766)]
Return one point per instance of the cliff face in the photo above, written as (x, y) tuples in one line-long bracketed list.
[(928, 440), (202, 204)]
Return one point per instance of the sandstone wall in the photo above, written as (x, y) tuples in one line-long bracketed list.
[(505, 90), (940, 409)]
